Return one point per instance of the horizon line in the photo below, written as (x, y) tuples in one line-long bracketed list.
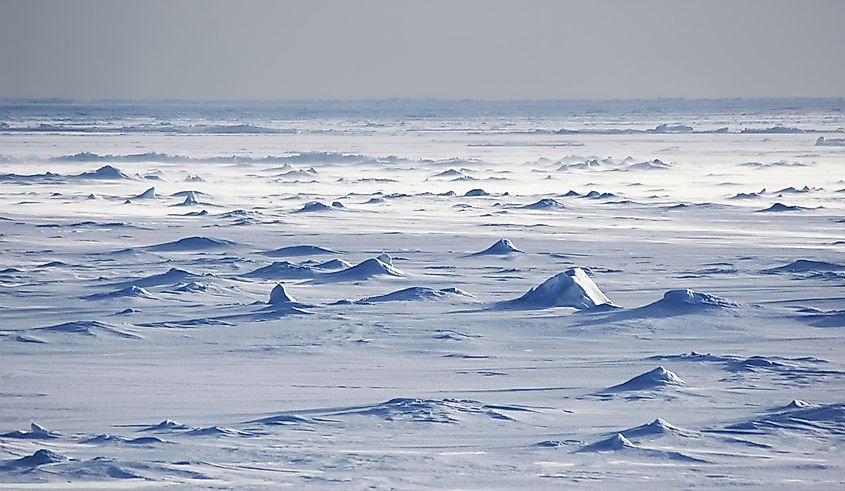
[(41, 100)]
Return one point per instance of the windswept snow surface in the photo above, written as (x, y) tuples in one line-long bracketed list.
[(407, 295)]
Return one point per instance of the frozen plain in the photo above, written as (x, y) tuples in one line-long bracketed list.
[(139, 333)]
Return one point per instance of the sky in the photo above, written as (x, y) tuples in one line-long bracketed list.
[(498, 50)]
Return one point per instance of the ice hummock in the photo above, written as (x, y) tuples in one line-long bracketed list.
[(370, 268), (572, 288), (280, 296), (658, 378), (806, 265), (36, 432), (501, 247), (189, 244), (148, 194), (416, 293), (299, 250), (686, 299)]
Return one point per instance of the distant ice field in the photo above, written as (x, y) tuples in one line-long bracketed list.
[(422, 294)]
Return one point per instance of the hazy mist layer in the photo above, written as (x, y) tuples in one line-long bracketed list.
[(262, 50)]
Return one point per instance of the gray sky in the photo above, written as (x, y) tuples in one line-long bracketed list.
[(246, 50)]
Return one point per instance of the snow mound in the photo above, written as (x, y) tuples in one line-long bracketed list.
[(612, 444), (780, 207), (189, 244), (830, 318), (752, 363), (238, 214), (166, 425), (36, 432), (105, 172), (597, 195), (587, 164), (457, 291), (145, 440), (671, 128), (104, 438), (298, 174), (797, 404), (26, 338), (806, 265), (794, 190), (739, 196), (367, 269), (189, 192), (500, 248), (314, 206), (544, 204), (282, 420), (102, 468), (170, 277), (619, 443), (655, 164), (476, 192), (88, 328), (190, 199), (215, 431), (776, 130), (148, 194), (285, 270), (28, 178), (132, 291), (415, 293), (830, 142), (41, 456), (651, 380), (658, 427), (444, 411), (385, 258), (799, 418), (279, 296), (557, 443), (683, 301), (191, 287), (299, 250), (675, 303), (332, 264), (572, 288), (449, 173)]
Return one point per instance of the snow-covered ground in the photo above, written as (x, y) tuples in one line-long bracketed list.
[(618, 295)]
